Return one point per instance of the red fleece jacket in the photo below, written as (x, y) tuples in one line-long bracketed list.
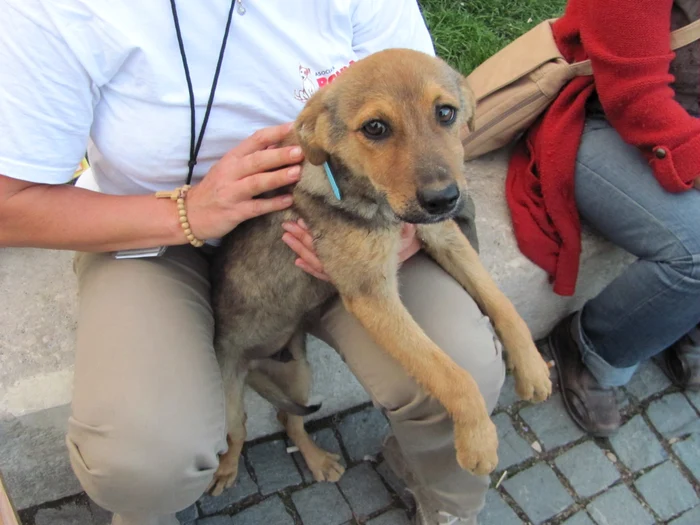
[(628, 42)]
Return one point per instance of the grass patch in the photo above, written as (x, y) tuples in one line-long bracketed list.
[(468, 32)]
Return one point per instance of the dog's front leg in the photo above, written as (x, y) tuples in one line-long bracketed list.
[(368, 288), (450, 248)]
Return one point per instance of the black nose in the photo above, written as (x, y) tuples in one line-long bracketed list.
[(439, 201)]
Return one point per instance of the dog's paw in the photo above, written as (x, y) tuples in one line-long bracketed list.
[(325, 466), (532, 381), (477, 446), (224, 478)]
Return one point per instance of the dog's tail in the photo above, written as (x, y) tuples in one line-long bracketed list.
[(267, 388)]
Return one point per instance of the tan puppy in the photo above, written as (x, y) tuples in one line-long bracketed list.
[(390, 130)]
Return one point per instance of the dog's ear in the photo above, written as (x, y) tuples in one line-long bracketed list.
[(469, 103), (311, 127)]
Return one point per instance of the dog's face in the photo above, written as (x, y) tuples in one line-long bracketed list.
[(397, 118)]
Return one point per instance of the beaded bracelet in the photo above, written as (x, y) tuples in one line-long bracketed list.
[(179, 194)]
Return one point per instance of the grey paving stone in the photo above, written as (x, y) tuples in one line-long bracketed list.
[(244, 487), (397, 485), (364, 490), (70, 514), (497, 512), (274, 468), (393, 517), (637, 446), (647, 381), (579, 519), (324, 438), (689, 453), (551, 423), (587, 468), (321, 504), (673, 416), (33, 455), (270, 511), (512, 449), (215, 520), (692, 517), (666, 490), (508, 395), (362, 433), (528, 487), (618, 506), (188, 515)]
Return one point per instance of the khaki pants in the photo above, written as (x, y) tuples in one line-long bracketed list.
[(148, 410)]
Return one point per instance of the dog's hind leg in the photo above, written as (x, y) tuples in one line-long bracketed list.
[(233, 373), (294, 378)]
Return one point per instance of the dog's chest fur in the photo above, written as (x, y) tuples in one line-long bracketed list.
[(259, 295)]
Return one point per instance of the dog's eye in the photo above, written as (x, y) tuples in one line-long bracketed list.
[(446, 114), (376, 129)]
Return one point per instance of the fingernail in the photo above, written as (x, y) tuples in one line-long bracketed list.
[(287, 199), (294, 173), (296, 153), (302, 224)]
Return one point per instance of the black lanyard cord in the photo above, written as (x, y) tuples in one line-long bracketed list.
[(194, 150)]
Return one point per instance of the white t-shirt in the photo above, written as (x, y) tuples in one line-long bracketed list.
[(107, 76)]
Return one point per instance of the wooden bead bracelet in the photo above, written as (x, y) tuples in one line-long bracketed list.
[(179, 194)]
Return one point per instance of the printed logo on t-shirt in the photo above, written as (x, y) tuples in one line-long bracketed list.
[(313, 81)]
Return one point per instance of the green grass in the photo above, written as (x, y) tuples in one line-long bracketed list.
[(468, 32)]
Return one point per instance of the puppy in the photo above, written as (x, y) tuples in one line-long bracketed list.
[(388, 131)]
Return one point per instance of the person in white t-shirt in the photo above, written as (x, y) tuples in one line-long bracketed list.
[(108, 78)]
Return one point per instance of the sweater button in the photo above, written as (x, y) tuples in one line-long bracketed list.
[(660, 153)]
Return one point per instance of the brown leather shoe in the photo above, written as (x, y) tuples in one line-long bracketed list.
[(591, 406), (681, 363)]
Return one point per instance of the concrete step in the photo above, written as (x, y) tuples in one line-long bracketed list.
[(37, 327)]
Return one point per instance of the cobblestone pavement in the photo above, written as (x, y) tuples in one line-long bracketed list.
[(549, 473)]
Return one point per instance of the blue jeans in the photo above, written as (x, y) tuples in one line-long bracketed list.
[(656, 300)]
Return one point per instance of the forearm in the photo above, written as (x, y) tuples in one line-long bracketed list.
[(628, 42), (66, 217)]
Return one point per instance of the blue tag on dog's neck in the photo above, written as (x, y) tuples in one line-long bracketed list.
[(331, 179)]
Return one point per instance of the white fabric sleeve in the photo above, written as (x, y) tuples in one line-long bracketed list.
[(46, 97), (384, 24)]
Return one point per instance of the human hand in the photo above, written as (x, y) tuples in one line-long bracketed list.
[(299, 239), (225, 196), (410, 245)]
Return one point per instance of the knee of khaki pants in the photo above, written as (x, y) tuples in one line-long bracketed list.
[(475, 350), (149, 470)]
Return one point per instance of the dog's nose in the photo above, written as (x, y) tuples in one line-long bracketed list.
[(440, 201)]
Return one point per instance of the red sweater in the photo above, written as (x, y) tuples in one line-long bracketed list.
[(628, 42)]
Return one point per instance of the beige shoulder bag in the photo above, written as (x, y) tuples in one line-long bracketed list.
[(514, 86)]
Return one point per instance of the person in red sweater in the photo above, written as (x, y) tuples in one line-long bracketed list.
[(621, 150)]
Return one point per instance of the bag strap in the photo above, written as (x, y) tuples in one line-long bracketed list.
[(679, 38), (685, 35)]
